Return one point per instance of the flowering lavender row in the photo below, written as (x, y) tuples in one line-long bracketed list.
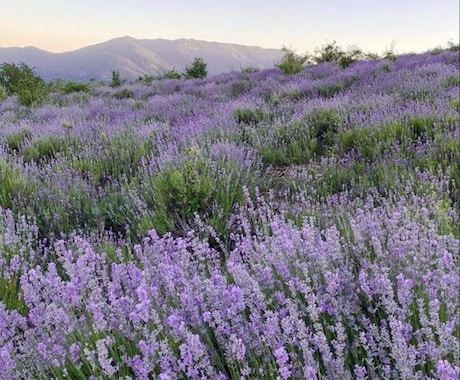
[(250, 225), (373, 295)]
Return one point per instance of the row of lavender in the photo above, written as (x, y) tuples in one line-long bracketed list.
[(311, 227)]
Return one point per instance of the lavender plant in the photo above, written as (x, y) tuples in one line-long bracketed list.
[(251, 225)]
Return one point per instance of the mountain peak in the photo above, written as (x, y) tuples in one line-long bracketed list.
[(135, 57)]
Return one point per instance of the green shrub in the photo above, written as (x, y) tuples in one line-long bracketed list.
[(21, 80), (455, 103), (249, 69), (333, 53), (361, 140), (15, 189), (116, 79), (389, 53), (324, 123), (291, 62), (297, 151), (328, 53), (198, 69), (335, 179), (421, 127), (14, 141), (172, 74), (3, 93), (452, 81), (240, 87), (250, 116), (70, 87), (118, 158), (146, 79), (45, 149), (124, 94), (454, 47), (11, 294), (195, 186)]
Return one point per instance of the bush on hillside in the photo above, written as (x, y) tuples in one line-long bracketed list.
[(198, 69), (333, 53), (116, 79), (291, 62), (22, 81), (172, 74)]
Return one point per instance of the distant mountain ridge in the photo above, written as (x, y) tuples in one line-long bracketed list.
[(136, 57)]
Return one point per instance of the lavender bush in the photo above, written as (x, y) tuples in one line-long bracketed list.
[(255, 225)]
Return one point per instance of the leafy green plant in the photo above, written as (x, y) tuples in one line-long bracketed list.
[(240, 87), (250, 116), (389, 52), (124, 94), (195, 186), (46, 148), (333, 53), (453, 46), (197, 69), (250, 69), (14, 141), (15, 189), (291, 62), (172, 74), (116, 79), (11, 294), (21, 80), (117, 158), (146, 79), (3, 93), (71, 87), (324, 123)]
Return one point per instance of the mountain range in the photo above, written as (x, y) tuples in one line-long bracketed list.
[(137, 57)]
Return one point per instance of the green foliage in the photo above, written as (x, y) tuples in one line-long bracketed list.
[(195, 186), (116, 79), (297, 150), (328, 53), (15, 188), (45, 149), (146, 79), (124, 94), (333, 53), (21, 80), (11, 294), (172, 74), (198, 69), (240, 87), (250, 116), (249, 69), (455, 103), (452, 81), (389, 53), (454, 47), (118, 158), (300, 142), (324, 123), (3, 93), (15, 141), (71, 87), (291, 62)]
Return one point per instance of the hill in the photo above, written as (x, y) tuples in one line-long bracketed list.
[(135, 57)]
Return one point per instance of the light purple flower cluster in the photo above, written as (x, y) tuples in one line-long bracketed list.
[(378, 298)]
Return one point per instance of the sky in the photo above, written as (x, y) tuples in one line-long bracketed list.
[(304, 25)]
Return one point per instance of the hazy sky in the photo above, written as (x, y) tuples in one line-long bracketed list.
[(61, 25)]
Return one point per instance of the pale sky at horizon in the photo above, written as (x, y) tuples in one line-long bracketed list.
[(59, 25)]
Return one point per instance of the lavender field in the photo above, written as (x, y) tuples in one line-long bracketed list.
[(251, 225)]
